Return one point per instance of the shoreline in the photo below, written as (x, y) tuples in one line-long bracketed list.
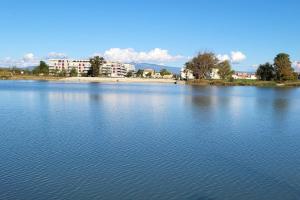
[(240, 82), (95, 79), (119, 80), (252, 83)]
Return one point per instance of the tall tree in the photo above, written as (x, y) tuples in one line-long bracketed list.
[(225, 71), (202, 64), (129, 74), (96, 65), (43, 68), (63, 73), (73, 72), (283, 67), (164, 72), (139, 73), (265, 72)]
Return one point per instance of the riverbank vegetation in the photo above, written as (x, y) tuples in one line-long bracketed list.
[(280, 73)]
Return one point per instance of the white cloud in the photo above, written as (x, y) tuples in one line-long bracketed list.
[(235, 57), (297, 66), (27, 60), (56, 55), (28, 57), (156, 55), (223, 57)]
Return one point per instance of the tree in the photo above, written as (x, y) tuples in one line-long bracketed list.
[(139, 73), (283, 67), (265, 72), (73, 72), (43, 68), (96, 66), (202, 64), (62, 73), (225, 71), (164, 72), (148, 75), (56, 72), (129, 74)]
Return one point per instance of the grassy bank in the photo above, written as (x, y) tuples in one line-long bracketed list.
[(31, 77), (244, 83)]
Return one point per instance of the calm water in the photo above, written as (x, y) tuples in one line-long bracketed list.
[(142, 142)]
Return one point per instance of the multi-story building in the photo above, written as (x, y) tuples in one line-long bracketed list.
[(58, 65), (244, 75), (129, 67), (113, 69), (109, 69)]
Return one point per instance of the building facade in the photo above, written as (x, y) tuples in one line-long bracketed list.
[(214, 74), (109, 69), (58, 65), (244, 75), (116, 69), (186, 74)]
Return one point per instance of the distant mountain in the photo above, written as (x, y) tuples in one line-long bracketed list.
[(21, 68), (28, 68), (174, 70)]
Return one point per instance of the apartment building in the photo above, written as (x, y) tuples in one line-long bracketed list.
[(115, 69), (244, 75), (109, 69), (82, 66)]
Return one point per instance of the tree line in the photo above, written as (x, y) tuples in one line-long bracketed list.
[(280, 70), (95, 70), (203, 64)]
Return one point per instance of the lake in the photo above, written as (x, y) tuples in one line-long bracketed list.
[(75, 141)]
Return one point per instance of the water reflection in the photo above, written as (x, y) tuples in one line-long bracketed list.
[(215, 102), (93, 141)]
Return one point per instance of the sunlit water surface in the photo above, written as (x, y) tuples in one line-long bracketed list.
[(148, 142)]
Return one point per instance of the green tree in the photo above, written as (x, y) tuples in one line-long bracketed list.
[(55, 72), (129, 74), (148, 75), (73, 72), (225, 72), (139, 73), (164, 72), (96, 66), (265, 72), (283, 67), (202, 64), (62, 73), (43, 68)]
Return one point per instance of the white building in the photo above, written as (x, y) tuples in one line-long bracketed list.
[(129, 67), (116, 69), (82, 66), (214, 74), (244, 75), (186, 74), (110, 69)]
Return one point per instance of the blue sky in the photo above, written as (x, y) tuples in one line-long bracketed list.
[(167, 32)]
